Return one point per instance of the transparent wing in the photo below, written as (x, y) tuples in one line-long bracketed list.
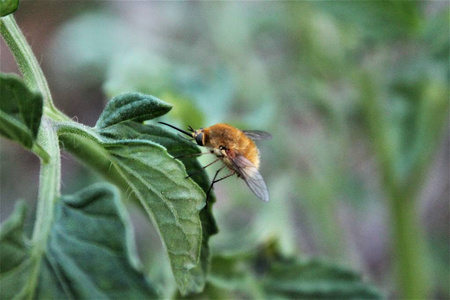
[(257, 134), (251, 176)]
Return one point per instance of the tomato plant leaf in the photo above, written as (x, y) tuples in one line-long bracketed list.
[(315, 279), (132, 107), (8, 7), (145, 170), (177, 146), (15, 255), (20, 110), (171, 201), (88, 253), (271, 275)]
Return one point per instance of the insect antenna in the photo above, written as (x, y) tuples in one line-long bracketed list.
[(176, 128)]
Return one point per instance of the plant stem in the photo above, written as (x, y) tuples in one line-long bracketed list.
[(408, 239), (409, 245), (49, 192), (27, 62), (47, 146)]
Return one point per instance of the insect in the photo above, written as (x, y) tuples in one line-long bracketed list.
[(236, 149)]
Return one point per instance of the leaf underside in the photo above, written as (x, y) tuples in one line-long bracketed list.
[(88, 253), (20, 111), (187, 228), (177, 147)]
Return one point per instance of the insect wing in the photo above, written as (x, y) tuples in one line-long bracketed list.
[(257, 134), (251, 176)]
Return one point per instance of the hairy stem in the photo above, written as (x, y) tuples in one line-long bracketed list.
[(28, 64), (49, 192), (47, 146)]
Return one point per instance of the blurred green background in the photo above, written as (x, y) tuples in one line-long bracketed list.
[(312, 74)]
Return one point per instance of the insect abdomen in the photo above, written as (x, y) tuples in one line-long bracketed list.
[(250, 151)]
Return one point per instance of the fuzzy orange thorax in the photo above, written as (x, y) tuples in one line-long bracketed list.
[(232, 139)]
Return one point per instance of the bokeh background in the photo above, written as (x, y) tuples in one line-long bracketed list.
[(306, 72)]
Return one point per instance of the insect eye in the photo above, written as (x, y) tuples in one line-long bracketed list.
[(199, 139), (221, 148)]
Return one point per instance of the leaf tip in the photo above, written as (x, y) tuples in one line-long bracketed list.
[(8, 7), (134, 106)]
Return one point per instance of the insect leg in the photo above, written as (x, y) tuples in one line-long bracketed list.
[(203, 168), (212, 183), (215, 181), (231, 174)]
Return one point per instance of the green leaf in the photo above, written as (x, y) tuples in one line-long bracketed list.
[(88, 254), (229, 278), (14, 255), (186, 228), (125, 152), (267, 274), (315, 279), (20, 111), (294, 278), (177, 146), (132, 107), (8, 7)]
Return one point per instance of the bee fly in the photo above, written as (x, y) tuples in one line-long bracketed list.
[(237, 151)]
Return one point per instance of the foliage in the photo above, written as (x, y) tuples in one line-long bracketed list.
[(96, 260), (20, 112), (69, 255), (139, 165), (8, 7), (335, 83), (155, 178), (265, 273)]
